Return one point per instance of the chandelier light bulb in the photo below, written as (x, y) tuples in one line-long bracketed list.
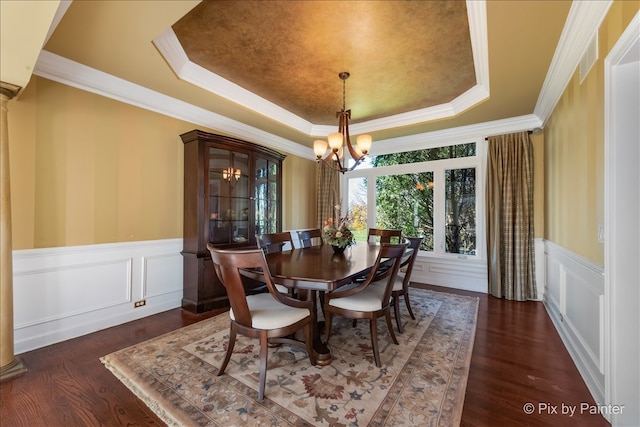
[(319, 148), (363, 143), (335, 140)]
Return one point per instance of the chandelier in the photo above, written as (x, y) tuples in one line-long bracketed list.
[(340, 142)]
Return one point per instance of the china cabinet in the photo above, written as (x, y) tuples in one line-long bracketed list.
[(232, 191)]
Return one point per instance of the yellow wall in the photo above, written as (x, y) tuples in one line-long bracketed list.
[(86, 169), (299, 185), (574, 150)]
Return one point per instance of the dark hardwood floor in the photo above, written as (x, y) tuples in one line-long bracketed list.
[(518, 358)]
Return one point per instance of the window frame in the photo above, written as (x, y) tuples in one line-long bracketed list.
[(438, 167)]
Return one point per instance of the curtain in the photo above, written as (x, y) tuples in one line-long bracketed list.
[(509, 201), (328, 189)]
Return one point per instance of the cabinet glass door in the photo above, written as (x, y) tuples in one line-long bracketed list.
[(229, 197), (266, 196)]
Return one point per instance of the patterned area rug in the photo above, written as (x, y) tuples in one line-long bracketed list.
[(422, 380)]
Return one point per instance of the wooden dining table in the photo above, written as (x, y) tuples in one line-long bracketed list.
[(319, 269)]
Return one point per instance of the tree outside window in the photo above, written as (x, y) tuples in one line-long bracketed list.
[(434, 199)]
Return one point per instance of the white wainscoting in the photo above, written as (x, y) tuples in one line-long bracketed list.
[(66, 292), (63, 293), (574, 299), (467, 274)]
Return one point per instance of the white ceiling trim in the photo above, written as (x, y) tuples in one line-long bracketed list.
[(171, 49), (583, 22), (477, 14), (463, 102), (459, 134), (71, 73), (74, 74), (584, 19)]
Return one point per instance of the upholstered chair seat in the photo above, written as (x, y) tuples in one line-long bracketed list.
[(268, 313), (369, 299)]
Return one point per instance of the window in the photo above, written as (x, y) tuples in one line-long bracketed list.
[(405, 202), (460, 211), (357, 190), (430, 193)]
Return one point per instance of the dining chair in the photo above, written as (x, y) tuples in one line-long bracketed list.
[(384, 235), (274, 242), (401, 283), (272, 317), (381, 235), (310, 238), (363, 301)]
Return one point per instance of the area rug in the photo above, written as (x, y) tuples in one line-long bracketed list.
[(421, 382)]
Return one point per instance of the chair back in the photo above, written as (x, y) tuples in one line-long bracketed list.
[(384, 235), (274, 242), (388, 252), (227, 264), (310, 238), (414, 243)]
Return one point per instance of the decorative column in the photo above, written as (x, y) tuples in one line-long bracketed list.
[(10, 365)]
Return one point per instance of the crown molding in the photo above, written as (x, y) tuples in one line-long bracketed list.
[(74, 74), (477, 14), (170, 48), (465, 101), (459, 134), (71, 73), (583, 22)]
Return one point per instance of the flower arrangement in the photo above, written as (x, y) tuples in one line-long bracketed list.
[(336, 233)]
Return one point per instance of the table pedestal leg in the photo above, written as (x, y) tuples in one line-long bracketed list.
[(322, 352)]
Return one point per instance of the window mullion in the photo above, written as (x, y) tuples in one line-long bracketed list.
[(439, 219)]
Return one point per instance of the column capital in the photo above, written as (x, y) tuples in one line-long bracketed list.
[(9, 90)]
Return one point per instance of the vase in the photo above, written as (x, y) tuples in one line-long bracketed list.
[(338, 249)]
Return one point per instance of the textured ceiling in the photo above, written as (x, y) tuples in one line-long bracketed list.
[(402, 55)]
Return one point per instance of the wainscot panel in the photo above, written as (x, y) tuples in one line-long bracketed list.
[(63, 293), (574, 300), (467, 274)]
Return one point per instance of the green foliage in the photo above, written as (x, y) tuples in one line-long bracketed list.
[(406, 201)]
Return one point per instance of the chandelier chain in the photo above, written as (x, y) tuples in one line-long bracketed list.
[(344, 94)]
